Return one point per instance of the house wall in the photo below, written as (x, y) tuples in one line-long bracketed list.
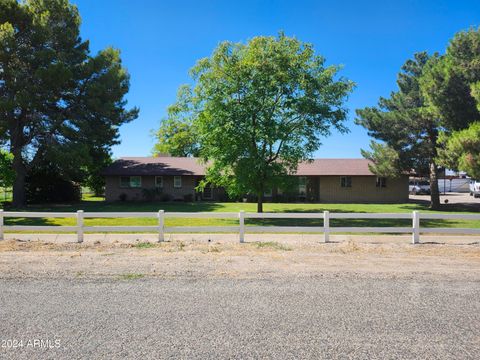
[(113, 189), (363, 190), (325, 189)]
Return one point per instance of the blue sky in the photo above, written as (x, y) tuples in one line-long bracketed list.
[(161, 40)]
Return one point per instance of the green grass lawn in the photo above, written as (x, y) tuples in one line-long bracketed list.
[(92, 204)]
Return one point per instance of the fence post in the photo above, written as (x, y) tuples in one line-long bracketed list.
[(161, 225), (415, 227), (1, 224), (326, 226), (241, 219), (80, 226)]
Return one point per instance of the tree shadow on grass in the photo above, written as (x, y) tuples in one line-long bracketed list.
[(458, 207), (19, 221), (104, 206), (319, 210)]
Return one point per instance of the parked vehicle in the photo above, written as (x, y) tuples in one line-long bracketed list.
[(474, 188), (419, 187)]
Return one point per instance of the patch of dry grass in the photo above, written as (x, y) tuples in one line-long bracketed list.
[(214, 249), (190, 257), (144, 245), (264, 248), (131, 276), (272, 245), (469, 251), (346, 248)]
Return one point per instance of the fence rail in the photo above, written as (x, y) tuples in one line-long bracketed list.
[(241, 229)]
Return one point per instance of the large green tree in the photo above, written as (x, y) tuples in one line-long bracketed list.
[(55, 98), (461, 149), (452, 88), (261, 107), (405, 124)]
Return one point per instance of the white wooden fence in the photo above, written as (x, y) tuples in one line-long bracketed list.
[(241, 229)]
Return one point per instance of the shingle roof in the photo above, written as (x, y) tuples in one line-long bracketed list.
[(155, 166), (191, 166), (335, 167)]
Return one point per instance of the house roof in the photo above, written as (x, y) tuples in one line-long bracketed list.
[(328, 167), (191, 166), (167, 165)]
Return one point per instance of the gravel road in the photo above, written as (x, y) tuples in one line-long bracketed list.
[(310, 317)]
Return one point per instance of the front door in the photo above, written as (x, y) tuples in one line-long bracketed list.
[(207, 193)]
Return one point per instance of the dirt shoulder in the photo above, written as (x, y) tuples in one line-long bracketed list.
[(273, 257)]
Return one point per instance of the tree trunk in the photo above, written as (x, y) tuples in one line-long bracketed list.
[(434, 192), (19, 198), (260, 202)]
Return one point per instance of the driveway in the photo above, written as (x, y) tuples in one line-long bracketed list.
[(453, 198)]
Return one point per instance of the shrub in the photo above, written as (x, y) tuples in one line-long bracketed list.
[(188, 197), (44, 186), (224, 197), (165, 197), (151, 194), (278, 198), (123, 197)]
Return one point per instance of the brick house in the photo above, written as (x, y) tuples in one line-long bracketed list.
[(321, 180)]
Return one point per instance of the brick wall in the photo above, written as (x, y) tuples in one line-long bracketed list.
[(326, 189), (363, 190), (113, 190)]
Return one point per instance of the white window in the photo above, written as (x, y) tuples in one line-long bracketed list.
[(302, 186), (130, 181), (135, 181), (177, 181), (346, 181), (159, 181)]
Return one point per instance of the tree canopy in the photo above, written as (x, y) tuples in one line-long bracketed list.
[(260, 108), (406, 125), (385, 160), (177, 135), (461, 150), (452, 88), (56, 99), (447, 85)]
